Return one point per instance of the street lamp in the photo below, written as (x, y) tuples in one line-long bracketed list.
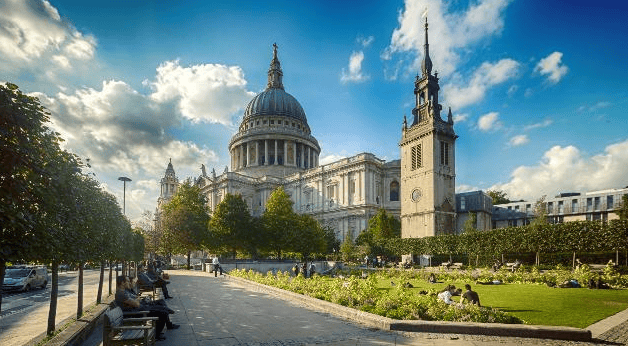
[(124, 179)]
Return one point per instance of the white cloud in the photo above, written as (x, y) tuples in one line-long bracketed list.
[(454, 31), (365, 42), (489, 121), (512, 90), (594, 107), (32, 34), (553, 67), (325, 159), (119, 129), (355, 69), (519, 140), (461, 117), (207, 92), (484, 77), (567, 169), (544, 123)]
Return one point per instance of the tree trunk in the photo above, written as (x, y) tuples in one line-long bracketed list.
[(79, 305), (477, 259), (617, 257), (538, 260), (3, 266), (54, 293), (100, 282), (573, 260), (110, 275), (189, 255), (503, 259)]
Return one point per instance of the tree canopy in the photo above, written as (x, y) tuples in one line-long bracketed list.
[(232, 228), (498, 196)]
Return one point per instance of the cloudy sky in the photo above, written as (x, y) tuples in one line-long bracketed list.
[(538, 89)]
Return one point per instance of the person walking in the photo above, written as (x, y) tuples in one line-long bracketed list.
[(217, 266)]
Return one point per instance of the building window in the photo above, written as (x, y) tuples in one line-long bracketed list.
[(561, 208), (589, 204), (444, 153), (516, 208), (416, 157), (462, 203), (597, 203), (272, 122), (574, 205), (394, 191), (609, 202), (264, 121), (330, 191), (550, 207)]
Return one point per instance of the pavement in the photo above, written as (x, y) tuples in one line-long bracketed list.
[(221, 311)]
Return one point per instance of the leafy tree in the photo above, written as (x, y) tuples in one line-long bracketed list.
[(471, 223), (308, 237), (540, 213), (184, 220), (622, 211), (331, 241), (498, 196), (28, 146), (279, 220), (381, 226), (231, 226), (348, 249)]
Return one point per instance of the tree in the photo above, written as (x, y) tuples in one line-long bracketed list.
[(471, 223), (28, 147), (331, 241), (184, 220), (279, 220), (231, 226), (381, 226), (308, 237), (622, 211), (348, 249), (498, 196)]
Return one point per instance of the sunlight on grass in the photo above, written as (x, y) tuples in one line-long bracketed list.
[(539, 304)]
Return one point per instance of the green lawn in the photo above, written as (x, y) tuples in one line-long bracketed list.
[(539, 304)]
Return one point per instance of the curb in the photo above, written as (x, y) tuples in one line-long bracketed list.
[(385, 323)]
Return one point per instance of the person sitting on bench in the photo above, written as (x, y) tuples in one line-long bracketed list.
[(145, 280), (129, 301)]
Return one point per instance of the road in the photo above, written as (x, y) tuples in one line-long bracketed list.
[(24, 315)]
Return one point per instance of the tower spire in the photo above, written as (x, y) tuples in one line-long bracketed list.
[(274, 72), (426, 65)]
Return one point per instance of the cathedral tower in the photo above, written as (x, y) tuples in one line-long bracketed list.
[(427, 161), (169, 186)]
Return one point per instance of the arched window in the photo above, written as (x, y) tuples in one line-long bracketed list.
[(421, 99), (394, 191)]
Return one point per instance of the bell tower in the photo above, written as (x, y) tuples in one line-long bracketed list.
[(428, 203), (169, 186)]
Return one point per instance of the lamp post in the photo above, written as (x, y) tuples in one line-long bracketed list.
[(124, 179)]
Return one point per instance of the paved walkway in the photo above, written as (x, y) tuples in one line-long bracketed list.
[(215, 311)]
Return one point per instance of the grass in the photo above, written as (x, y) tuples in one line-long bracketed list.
[(539, 304)]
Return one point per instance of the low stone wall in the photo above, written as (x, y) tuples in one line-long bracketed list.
[(376, 321), (265, 267)]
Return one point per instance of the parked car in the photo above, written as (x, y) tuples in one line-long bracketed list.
[(25, 278)]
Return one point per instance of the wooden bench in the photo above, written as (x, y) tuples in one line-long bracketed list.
[(513, 266), (597, 267), (449, 265), (120, 330)]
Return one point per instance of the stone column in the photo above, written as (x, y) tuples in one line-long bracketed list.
[(307, 157), (257, 153), (294, 153), (285, 152), (266, 152), (276, 153), (302, 155), (247, 154), (240, 161)]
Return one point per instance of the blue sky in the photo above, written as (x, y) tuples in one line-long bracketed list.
[(538, 89)]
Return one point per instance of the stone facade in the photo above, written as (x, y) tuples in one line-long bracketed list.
[(274, 147), (428, 205)]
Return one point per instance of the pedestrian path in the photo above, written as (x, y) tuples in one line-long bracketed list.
[(216, 311)]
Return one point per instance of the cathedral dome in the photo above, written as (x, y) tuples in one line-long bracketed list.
[(275, 101)]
